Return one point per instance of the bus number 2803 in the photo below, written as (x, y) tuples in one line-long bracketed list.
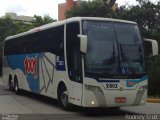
[(111, 85)]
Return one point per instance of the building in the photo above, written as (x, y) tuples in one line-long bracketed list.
[(25, 19), (63, 7)]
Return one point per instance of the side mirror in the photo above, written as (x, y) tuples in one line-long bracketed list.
[(83, 43), (151, 47)]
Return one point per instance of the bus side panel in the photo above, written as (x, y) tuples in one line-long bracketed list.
[(51, 72), (47, 70), (38, 72)]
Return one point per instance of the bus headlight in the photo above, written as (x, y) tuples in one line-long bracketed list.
[(93, 88)]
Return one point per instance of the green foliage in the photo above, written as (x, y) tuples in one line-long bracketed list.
[(146, 14), (96, 8), (38, 20)]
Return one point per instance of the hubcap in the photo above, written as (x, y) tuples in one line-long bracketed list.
[(16, 88), (64, 98)]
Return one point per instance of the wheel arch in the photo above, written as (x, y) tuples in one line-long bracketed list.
[(10, 76), (60, 85), (15, 77)]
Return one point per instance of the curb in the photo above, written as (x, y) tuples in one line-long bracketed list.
[(153, 100)]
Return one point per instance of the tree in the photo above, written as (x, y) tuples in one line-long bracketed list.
[(96, 8), (38, 20)]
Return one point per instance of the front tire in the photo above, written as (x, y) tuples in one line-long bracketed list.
[(64, 99)]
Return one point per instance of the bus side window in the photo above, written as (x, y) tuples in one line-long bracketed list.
[(73, 52)]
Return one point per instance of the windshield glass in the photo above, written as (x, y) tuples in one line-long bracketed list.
[(113, 48), (131, 50)]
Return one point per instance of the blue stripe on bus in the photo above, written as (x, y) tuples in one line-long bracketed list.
[(117, 81), (136, 81)]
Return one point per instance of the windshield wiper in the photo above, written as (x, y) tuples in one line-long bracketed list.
[(125, 60), (140, 54), (113, 57)]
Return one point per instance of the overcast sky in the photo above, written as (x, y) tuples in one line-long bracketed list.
[(38, 7)]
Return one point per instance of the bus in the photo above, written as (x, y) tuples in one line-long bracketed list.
[(82, 61)]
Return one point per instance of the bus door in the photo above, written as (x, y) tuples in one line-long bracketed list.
[(74, 61)]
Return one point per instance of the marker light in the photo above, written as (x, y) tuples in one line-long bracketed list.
[(93, 102)]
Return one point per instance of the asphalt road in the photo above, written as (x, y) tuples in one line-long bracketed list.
[(32, 107)]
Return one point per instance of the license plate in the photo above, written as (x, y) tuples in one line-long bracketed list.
[(120, 99)]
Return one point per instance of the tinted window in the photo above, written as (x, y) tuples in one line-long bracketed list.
[(131, 49), (50, 40), (102, 54)]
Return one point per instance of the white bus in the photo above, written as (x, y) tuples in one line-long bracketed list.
[(84, 61)]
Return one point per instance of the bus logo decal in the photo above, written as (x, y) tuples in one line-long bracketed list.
[(131, 83), (31, 66)]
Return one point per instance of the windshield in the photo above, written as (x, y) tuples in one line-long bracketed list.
[(113, 48)]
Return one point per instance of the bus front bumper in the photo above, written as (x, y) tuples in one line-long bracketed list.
[(114, 98)]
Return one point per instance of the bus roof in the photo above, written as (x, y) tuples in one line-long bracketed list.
[(58, 23)]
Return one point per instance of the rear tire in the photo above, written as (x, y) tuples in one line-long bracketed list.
[(63, 98), (10, 84), (16, 87)]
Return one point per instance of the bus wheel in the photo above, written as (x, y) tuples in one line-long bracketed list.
[(10, 83), (16, 88), (63, 98)]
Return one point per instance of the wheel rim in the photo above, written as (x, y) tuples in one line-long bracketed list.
[(16, 87), (64, 98)]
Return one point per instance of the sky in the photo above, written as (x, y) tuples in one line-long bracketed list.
[(39, 7)]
